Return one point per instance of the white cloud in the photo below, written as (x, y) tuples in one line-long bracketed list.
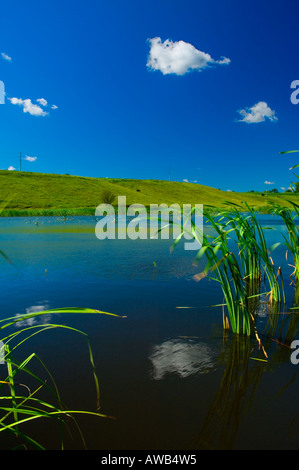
[(257, 113), (30, 159), (269, 182), (6, 57), (186, 181), (178, 57), (29, 107), (42, 101), (11, 168), (54, 106)]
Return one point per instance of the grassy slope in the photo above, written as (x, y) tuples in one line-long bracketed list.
[(34, 193)]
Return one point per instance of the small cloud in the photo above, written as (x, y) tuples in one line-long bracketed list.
[(6, 57), (186, 181), (229, 190), (178, 57), (11, 168), (54, 106), (257, 113), (30, 159), (283, 188), (269, 182), (28, 107), (42, 101)]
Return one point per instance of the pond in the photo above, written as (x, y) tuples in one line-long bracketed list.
[(168, 375)]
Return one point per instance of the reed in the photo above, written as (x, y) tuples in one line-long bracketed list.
[(273, 274), (18, 410), (222, 266), (291, 241), (234, 398), (237, 257)]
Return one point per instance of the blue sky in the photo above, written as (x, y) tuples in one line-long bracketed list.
[(141, 88)]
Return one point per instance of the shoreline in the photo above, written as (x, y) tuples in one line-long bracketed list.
[(90, 211)]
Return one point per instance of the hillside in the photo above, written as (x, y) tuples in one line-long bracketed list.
[(27, 193)]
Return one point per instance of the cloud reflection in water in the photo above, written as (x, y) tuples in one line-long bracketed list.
[(181, 357), (33, 320)]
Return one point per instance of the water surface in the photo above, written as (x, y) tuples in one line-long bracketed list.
[(167, 373)]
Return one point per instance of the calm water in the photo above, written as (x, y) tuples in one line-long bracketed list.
[(167, 374)]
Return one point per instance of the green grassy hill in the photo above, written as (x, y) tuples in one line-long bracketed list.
[(27, 193)]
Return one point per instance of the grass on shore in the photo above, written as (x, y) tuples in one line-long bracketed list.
[(33, 194)]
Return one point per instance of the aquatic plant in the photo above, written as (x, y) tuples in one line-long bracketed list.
[(256, 247), (289, 216), (237, 258), (293, 188), (234, 398), (20, 409), (226, 270), (244, 366), (291, 240)]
